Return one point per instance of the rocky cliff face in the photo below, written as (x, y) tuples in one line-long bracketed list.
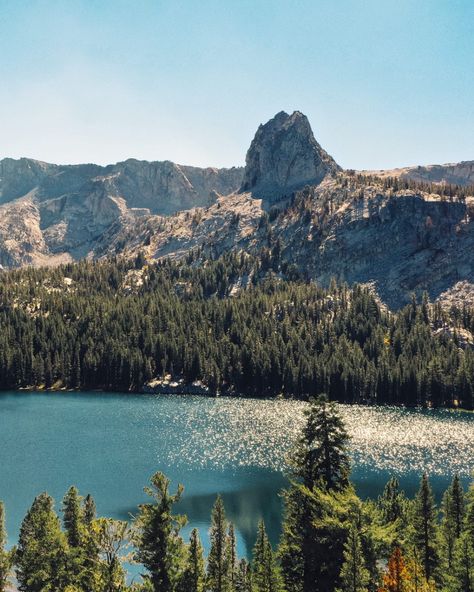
[(283, 157), (52, 213), (332, 223), (461, 173)]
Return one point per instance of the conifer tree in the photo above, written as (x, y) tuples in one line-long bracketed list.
[(243, 582), (73, 517), (41, 557), (321, 468), (89, 510), (463, 580), (160, 547), (425, 527), (265, 572), (5, 556), (218, 565), (193, 578), (457, 505), (90, 545), (469, 515), (232, 560), (321, 456), (354, 575)]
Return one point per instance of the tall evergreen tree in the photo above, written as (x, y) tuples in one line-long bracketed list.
[(463, 580), (73, 517), (243, 582), (321, 456), (193, 578), (5, 556), (425, 527), (90, 545), (41, 557), (218, 564), (265, 572), (321, 471), (159, 545), (354, 575), (232, 560)]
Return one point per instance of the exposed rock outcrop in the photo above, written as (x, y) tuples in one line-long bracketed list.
[(283, 157), (353, 227), (52, 213)]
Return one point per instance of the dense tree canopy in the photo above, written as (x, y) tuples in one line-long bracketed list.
[(232, 324)]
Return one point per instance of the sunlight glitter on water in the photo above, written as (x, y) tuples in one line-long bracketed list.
[(245, 432)]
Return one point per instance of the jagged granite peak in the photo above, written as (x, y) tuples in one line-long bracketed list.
[(284, 156)]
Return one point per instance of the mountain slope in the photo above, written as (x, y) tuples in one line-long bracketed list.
[(52, 213), (403, 231)]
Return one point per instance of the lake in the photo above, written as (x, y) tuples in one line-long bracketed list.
[(109, 445)]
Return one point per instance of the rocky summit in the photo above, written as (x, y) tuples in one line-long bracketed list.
[(401, 231), (283, 157)]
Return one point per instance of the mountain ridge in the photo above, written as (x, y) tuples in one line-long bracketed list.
[(402, 230)]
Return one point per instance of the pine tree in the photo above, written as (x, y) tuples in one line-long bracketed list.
[(160, 548), (469, 515), (321, 456), (89, 510), (41, 557), (321, 466), (265, 572), (448, 530), (463, 580), (90, 545), (392, 502), (217, 565), (5, 556), (425, 528), (243, 582), (232, 561), (457, 505), (354, 575), (193, 578), (73, 517)]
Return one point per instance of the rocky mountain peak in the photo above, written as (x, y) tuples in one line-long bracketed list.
[(285, 156)]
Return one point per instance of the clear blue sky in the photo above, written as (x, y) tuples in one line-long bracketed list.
[(384, 82)]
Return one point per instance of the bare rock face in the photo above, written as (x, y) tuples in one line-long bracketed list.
[(460, 173), (52, 213), (283, 157)]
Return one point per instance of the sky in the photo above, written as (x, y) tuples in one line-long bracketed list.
[(384, 83)]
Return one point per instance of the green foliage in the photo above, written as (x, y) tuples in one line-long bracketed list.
[(160, 547), (265, 573), (116, 325), (331, 541), (424, 525), (354, 575), (218, 566), (321, 457), (41, 557), (193, 578), (6, 557)]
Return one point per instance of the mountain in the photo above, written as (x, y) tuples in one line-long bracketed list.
[(401, 231), (461, 173), (52, 213), (283, 157)]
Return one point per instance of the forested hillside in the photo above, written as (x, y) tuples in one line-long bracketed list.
[(233, 324)]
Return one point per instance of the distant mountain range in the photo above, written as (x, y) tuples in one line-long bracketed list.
[(404, 230)]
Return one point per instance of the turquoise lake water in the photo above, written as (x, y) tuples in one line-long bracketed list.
[(109, 445)]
